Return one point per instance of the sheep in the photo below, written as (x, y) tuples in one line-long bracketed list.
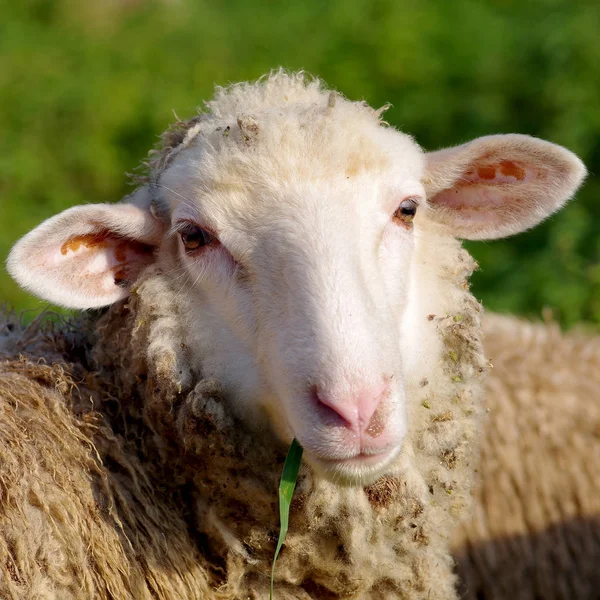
[(288, 267), (534, 531)]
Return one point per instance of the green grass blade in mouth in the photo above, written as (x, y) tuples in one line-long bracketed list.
[(286, 491)]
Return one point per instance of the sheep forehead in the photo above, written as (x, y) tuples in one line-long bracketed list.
[(303, 143), (224, 175), (300, 126), (302, 133)]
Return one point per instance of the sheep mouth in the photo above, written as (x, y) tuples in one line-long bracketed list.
[(361, 458), (360, 469)]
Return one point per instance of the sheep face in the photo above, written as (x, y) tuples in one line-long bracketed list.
[(290, 241), (298, 284)]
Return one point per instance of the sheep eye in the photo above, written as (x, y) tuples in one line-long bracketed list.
[(194, 237), (407, 210)]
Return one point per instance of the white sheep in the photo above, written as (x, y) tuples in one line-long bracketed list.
[(289, 269)]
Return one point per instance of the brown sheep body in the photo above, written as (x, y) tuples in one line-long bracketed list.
[(535, 529)]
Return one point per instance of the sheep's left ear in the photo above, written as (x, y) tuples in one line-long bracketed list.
[(499, 185)]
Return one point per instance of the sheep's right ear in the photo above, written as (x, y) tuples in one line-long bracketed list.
[(88, 256)]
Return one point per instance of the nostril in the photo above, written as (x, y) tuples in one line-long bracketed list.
[(358, 411), (368, 403), (347, 411)]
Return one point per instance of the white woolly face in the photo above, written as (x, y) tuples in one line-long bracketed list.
[(296, 302), (288, 243)]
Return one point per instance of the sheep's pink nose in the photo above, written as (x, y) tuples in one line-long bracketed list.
[(357, 411)]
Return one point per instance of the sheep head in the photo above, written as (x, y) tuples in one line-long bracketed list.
[(290, 226)]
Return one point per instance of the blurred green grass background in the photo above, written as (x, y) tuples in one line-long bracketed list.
[(86, 88)]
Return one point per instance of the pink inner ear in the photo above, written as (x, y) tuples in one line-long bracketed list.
[(491, 193), (475, 203), (488, 186), (113, 259)]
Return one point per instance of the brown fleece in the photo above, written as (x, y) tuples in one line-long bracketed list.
[(535, 530), (122, 477)]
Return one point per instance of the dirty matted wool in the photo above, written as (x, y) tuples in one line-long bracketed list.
[(535, 528), (79, 515), (125, 474)]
